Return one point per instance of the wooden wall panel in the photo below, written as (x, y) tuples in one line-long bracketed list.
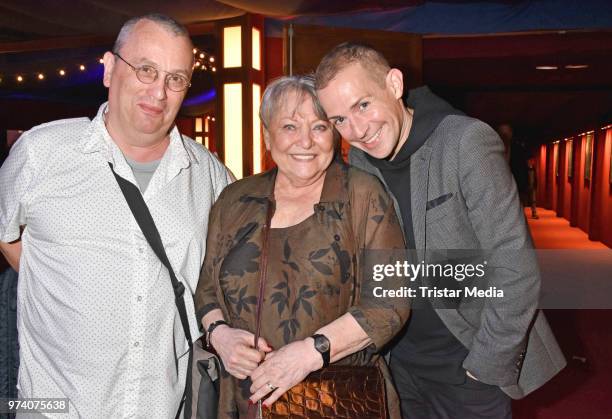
[(310, 43)]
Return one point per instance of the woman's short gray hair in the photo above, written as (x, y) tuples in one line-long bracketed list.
[(276, 93)]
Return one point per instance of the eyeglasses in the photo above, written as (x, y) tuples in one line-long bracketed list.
[(148, 74)]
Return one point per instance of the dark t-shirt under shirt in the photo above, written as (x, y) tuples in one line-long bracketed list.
[(426, 347)]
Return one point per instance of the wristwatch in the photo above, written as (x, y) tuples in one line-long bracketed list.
[(322, 345), (212, 327)]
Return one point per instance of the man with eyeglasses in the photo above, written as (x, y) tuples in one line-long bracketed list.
[(98, 323)]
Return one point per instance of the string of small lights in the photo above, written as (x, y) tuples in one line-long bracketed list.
[(203, 61), (23, 77)]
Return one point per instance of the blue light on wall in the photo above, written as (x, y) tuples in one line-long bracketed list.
[(201, 98)]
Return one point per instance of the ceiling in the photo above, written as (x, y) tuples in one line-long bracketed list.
[(481, 55), (494, 78), (26, 20)]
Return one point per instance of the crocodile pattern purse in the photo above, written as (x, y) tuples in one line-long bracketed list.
[(338, 391)]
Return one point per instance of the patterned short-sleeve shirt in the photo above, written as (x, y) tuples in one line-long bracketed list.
[(97, 318)]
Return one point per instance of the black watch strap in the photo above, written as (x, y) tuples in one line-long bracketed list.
[(323, 346), (212, 327)]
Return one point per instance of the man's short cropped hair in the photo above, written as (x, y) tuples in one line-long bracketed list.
[(346, 54), (164, 21)]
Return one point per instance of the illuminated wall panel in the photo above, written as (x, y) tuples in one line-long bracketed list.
[(256, 49), (256, 129), (232, 47), (232, 127)]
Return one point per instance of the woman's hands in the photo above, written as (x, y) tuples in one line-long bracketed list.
[(286, 367), (235, 347), (283, 369)]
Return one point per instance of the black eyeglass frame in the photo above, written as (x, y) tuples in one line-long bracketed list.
[(168, 74)]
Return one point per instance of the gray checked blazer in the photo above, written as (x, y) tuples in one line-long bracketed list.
[(464, 197)]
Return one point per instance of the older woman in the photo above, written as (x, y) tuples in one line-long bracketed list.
[(310, 216)]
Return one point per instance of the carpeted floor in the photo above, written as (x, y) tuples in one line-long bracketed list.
[(552, 232), (584, 388)]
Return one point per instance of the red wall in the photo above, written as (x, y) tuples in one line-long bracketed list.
[(586, 203), (603, 191), (186, 126), (565, 183), (274, 58), (551, 179), (583, 188), (541, 199)]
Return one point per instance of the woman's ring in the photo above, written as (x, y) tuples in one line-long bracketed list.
[(271, 387)]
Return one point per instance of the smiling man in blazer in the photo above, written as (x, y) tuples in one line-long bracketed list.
[(453, 190)]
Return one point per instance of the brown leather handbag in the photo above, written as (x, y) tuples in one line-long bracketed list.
[(338, 391)]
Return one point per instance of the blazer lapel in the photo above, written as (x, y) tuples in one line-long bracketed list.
[(419, 174)]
